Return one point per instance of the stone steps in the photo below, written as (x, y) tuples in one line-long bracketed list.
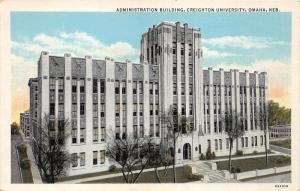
[(215, 176)]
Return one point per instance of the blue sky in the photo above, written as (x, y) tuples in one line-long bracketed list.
[(255, 41)]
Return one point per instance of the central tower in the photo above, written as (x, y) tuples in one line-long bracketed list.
[(177, 51)]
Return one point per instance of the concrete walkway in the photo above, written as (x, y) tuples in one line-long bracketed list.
[(280, 149), (245, 157), (15, 169)]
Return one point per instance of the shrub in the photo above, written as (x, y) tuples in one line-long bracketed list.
[(22, 149), (269, 151), (238, 170), (14, 129), (232, 170), (25, 163), (208, 153), (283, 160), (213, 156), (239, 153), (187, 170), (255, 152), (202, 157), (112, 168)]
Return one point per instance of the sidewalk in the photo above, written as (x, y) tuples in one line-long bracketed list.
[(245, 157), (36, 177), (15, 169)]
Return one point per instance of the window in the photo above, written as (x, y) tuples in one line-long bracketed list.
[(261, 140), (141, 109), (151, 134), (141, 133), (82, 106), (95, 134), (156, 89), (242, 141), (124, 132), (182, 89), (151, 109), (74, 135), (151, 88), (255, 138), (102, 107), (60, 110), (220, 144), (182, 69), (182, 49), (246, 141), (141, 87), (123, 87), (74, 110), (174, 89), (82, 86), (227, 143), (216, 144), (74, 85), (174, 69), (174, 48), (134, 88), (190, 89), (52, 109), (117, 87), (117, 132), (102, 156), (117, 110), (135, 133), (95, 157), (102, 86), (156, 109), (190, 70), (102, 134), (82, 135), (52, 84), (74, 159), (252, 141), (60, 85), (82, 159), (95, 85), (135, 109), (157, 130), (95, 110)]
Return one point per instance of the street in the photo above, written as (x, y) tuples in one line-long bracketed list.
[(15, 170)]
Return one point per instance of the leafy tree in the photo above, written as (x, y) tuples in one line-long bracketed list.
[(278, 115), (50, 154), (14, 128)]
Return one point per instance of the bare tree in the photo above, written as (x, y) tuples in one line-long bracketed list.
[(50, 154), (160, 157), (173, 126), (262, 118), (233, 128), (131, 153)]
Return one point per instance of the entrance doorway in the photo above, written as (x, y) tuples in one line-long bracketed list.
[(186, 151)]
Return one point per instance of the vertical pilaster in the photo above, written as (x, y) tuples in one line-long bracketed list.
[(129, 98), (110, 95), (146, 100), (44, 69), (211, 101), (68, 96)]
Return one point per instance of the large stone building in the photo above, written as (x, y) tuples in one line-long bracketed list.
[(24, 124), (98, 96)]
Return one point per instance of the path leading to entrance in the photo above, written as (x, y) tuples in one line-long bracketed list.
[(15, 169)]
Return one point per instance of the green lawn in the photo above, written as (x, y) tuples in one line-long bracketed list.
[(149, 177), (282, 143), (88, 175), (256, 163)]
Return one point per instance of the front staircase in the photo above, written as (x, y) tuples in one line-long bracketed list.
[(215, 176)]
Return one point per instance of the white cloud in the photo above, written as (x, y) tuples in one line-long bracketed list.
[(245, 42), (79, 44), (208, 53)]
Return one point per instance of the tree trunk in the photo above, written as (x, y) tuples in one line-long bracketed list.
[(266, 149), (174, 160), (230, 148), (157, 175)]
